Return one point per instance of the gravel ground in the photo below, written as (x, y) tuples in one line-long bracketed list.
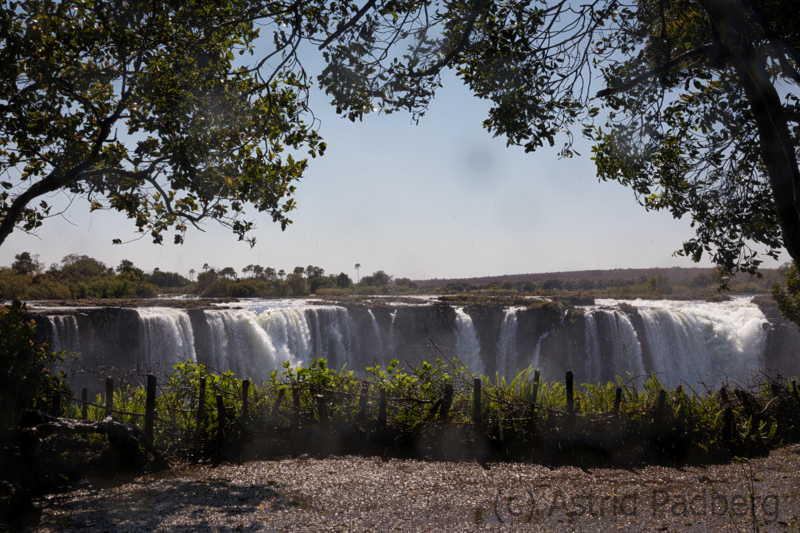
[(369, 494)]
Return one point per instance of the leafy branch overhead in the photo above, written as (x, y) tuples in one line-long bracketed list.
[(147, 109), (142, 107), (678, 96)]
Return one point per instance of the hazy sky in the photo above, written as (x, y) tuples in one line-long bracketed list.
[(439, 199)]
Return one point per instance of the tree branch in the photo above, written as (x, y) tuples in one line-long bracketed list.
[(458, 48), (350, 23), (661, 69)]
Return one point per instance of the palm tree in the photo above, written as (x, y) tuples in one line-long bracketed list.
[(358, 267)]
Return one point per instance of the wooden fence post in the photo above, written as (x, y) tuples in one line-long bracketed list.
[(727, 424), (201, 412), (536, 376), (220, 424), (617, 401), (150, 407), (362, 403), (662, 404), (56, 408), (570, 393), (476, 404), (322, 411), (245, 398), (775, 389), (446, 404), (85, 403), (723, 394), (532, 406), (382, 410), (109, 396), (296, 411), (276, 406)]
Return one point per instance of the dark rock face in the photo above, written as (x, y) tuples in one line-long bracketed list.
[(564, 348), (488, 321), (108, 337), (552, 336), (202, 336), (782, 350), (401, 333)]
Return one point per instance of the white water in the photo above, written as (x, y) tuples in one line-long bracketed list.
[(65, 333), (506, 345), (538, 350), (701, 341), (166, 336), (626, 351), (392, 345), (255, 344), (683, 341), (377, 331), (467, 346)]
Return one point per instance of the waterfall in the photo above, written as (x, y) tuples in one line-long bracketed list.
[(592, 341), (377, 331), (334, 334), (65, 334), (612, 346), (682, 341), (538, 350), (506, 346), (255, 344), (166, 338), (393, 314), (691, 341), (467, 346), (240, 343)]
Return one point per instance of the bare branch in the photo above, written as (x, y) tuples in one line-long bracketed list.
[(350, 23), (661, 69)]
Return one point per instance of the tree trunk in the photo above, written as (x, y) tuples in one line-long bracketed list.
[(35, 425), (777, 147)]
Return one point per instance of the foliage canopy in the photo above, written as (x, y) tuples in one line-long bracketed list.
[(697, 111), (690, 116), (142, 107)]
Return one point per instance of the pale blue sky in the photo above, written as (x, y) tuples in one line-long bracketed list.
[(439, 199)]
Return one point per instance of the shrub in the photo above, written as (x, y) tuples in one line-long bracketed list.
[(25, 377)]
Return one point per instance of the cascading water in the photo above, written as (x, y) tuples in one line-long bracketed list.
[(682, 341), (335, 337), (699, 341), (467, 346), (166, 337), (393, 314), (506, 346), (65, 334), (240, 344), (377, 330), (255, 344), (612, 346), (538, 350)]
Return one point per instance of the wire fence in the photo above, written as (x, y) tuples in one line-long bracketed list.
[(194, 409)]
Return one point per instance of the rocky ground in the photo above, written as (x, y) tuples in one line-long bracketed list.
[(369, 494)]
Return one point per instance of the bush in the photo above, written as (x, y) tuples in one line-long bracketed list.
[(25, 378)]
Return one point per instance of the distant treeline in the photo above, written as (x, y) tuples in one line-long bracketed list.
[(81, 276), (705, 283), (618, 276), (257, 281)]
